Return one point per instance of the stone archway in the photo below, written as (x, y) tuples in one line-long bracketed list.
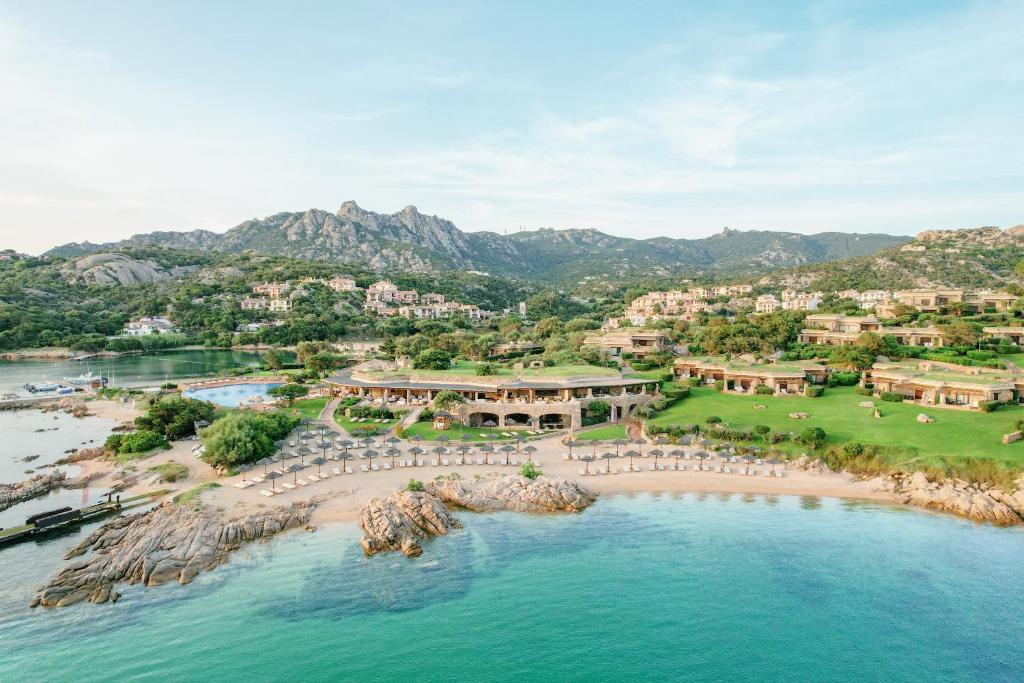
[(554, 421), (518, 420), (478, 419)]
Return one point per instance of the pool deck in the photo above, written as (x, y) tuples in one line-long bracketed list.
[(232, 381)]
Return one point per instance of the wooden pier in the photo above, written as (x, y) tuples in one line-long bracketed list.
[(62, 518)]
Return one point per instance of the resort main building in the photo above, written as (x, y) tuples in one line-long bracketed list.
[(548, 398)]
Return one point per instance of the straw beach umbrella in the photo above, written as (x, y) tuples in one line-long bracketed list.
[(370, 454), (344, 458), (295, 469), (243, 468), (529, 449), (588, 458), (677, 453), (617, 443), (272, 476), (265, 462), (631, 454), (394, 453), (608, 457), (508, 450), (318, 461), (657, 453), (570, 444)]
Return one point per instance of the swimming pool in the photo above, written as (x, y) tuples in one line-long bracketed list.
[(231, 395)]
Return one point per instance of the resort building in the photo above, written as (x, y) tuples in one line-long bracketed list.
[(517, 347), (280, 305), (432, 299), (386, 291), (801, 301), (523, 399), (835, 329), (148, 325), (916, 336), (629, 341), (257, 303), (744, 376), (767, 303), (274, 290), (342, 284), (1014, 335), (936, 300), (944, 385)]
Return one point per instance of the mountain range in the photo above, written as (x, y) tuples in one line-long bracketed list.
[(414, 242)]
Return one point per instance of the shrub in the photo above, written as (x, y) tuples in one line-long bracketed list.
[(175, 417), (484, 369), (432, 359), (719, 385), (862, 391), (988, 406), (530, 471), (892, 396), (113, 443), (813, 391), (288, 392), (712, 419), (170, 471), (169, 385), (426, 415), (762, 429), (245, 437), (447, 399), (142, 440), (853, 448), (414, 485), (812, 437), (763, 390), (693, 381), (845, 378)]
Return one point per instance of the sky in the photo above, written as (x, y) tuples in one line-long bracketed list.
[(638, 119)]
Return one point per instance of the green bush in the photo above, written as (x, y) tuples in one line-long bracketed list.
[(175, 417), (988, 406), (245, 437), (693, 381), (845, 378), (892, 396), (141, 440), (530, 471), (170, 471), (113, 443), (712, 419), (762, 429), (812, 437), (414, 485), (853, 448), (814, 391), (432, 359), (763, 390), (719, 385), (862, 391)]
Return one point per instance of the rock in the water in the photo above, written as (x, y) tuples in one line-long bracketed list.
[(168, 543), (402, 520), (981, 502), (512, 492), (39, 485)]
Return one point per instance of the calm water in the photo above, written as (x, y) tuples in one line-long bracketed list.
[(231, 395), (125, 370), (688, 587)]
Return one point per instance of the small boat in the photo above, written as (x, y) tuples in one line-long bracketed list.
[(41, 387), (65, 390), (86, 379)]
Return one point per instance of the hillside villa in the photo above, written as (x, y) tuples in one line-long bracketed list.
[(528, 398), (944, 385), (937, 299), (743, 376), (1014, 335), (148, 325), (629, 341), (834, 329)]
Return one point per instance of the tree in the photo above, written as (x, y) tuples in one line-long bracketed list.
[(959, 333), (547, 328), (288, 392), (272, 359), (812, 437), (878, 345), (323, 361), (447, 399), (853, 356), (244, 437), (432, 359), (175, 417)]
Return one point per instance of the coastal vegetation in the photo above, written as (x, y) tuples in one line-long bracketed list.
[(136, 442), (191, 496), (169, 472), (245, 437), (175, 417)]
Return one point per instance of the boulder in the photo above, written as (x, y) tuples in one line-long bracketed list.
[(401, 520), (1011, 437), (866, 404), (33, 487), (799, 416), (512, 492), (925, 419)]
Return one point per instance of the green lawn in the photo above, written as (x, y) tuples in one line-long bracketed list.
[(954, 433), (606, 433), (455, 432), (310, 407)]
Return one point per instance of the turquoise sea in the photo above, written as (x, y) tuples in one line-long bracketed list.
[(656, 587)]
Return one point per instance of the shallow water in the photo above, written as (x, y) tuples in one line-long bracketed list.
[(131, 370), (666, 587)]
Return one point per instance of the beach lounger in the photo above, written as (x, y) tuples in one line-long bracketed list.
[(778, 473), (348, 470), (650, 468), (479, 461), (583, 473), (375, 468), (288, 485), (767, 473), (728, 470), (364, 468), (238, 485), (258, 480), (420, 463), (433, 463), (514, 463), (336, 471), (445, 463), (490, 461), (301, 482), (661, 468), (386, 466), (265, 492)]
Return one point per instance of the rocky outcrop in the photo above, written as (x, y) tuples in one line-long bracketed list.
[(512, 492), (981, 502), (401, 520), (70, 405), (808, 464), (168, 543), (39, 485), (83, 454), (118, 269)]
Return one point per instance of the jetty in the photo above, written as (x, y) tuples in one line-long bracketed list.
[(61, 518)]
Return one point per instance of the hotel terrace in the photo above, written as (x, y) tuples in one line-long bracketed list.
[(834, 329), (629, 341), (944, 385), (744, 376), (936, 300), (529, 398)]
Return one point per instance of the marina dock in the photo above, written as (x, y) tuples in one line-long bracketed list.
[(62, 518)]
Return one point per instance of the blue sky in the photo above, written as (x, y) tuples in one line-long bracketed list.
[(639, 119)]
